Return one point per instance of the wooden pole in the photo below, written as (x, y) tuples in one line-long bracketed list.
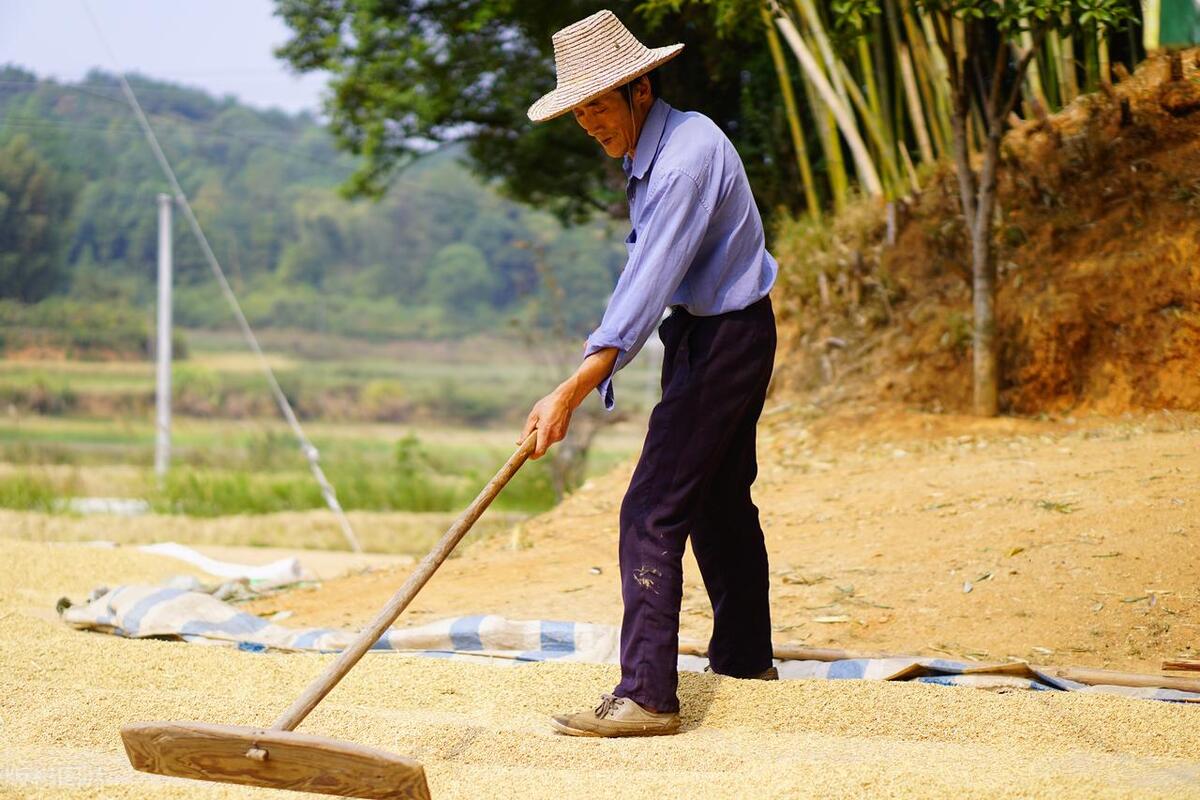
[(1087, 675), (324, 684)]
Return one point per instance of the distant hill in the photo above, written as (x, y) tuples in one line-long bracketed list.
[(441, 255)]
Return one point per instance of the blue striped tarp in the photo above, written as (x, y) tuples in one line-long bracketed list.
[(139, 611)]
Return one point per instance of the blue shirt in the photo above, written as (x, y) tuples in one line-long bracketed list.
[(697, 238)]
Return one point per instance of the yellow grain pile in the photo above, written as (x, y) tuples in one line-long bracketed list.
[(481, 730)]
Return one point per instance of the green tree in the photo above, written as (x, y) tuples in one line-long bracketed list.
[(460, 281), (34, 206), (411, 72), (263, 185)]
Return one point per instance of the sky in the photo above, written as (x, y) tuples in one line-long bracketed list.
[(222, 46)]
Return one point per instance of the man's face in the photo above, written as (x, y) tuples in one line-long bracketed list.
[(607, 120)]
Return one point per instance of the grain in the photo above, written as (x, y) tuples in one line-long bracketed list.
[(481, 730)]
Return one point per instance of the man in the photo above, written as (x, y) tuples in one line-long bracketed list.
[(697, 246)]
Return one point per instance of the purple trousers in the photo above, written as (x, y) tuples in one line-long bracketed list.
[(693, 478)]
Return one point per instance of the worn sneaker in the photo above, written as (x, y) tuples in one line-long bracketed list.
[(617, 716), (768, 674)]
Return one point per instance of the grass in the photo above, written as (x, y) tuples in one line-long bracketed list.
[(451, 413), (263, 472), (472, 382), (27, 492)]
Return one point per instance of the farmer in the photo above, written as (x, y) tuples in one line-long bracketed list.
[(696, 246)]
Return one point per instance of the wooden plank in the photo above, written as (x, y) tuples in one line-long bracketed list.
[(1094, 677), (285, 760)]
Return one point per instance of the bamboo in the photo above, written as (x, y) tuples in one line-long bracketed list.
[(882, 82), (1151, 24), (835, 168), (923, 73), (897, 91), (831, 148), (892, 172), (1067, 67), (910, 170), (816, 27), (862, 160), (1032, 75), (917, 117), (942, 84), (1051, 78), (868, 70), (827, 127), (1091, 59), (793, 117), (1102, 61)]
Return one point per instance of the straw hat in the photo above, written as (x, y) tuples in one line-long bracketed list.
[(594, 56)]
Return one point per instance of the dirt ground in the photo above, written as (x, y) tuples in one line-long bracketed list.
[(1068, 542)]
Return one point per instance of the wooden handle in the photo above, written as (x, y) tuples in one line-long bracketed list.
[(404, 595)]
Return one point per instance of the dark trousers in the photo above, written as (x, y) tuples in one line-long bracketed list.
[(693, 478)]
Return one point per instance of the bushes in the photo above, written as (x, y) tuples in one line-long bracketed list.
[(416, 480), (80, 330), (274, 304), (40, 394), (202, 493), (25, 492)]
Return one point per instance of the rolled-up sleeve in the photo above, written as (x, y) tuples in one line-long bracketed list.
[(669, 231)]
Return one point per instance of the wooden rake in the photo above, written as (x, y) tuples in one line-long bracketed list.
[(278, 757)]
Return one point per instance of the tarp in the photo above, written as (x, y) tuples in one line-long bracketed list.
[(283, 571), (138, 611)]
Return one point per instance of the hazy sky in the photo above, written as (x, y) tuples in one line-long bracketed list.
[(223, 46)]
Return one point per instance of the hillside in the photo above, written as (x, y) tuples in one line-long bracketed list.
[(442, 254), (1098, 296)]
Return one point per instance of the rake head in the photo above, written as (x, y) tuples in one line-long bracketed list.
[(271, 758)]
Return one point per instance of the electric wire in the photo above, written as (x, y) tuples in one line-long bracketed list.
[(307, 448)]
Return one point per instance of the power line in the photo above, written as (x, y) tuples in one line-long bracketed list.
[(133, 130), (306, 446)]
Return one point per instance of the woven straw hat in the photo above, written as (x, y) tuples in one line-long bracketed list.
[(594, 56)]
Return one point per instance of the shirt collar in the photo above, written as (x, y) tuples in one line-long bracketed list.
[(648, 140)]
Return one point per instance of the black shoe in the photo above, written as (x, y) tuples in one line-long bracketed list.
[(768, 674)]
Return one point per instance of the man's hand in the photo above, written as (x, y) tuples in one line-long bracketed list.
[(551, 416)]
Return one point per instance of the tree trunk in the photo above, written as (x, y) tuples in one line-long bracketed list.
[(977, 205), (983, 272), (985, 370)]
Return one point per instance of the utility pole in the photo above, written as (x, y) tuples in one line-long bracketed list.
[(162, 394)]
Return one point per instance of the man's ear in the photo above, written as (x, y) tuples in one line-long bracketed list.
[(642, 88)]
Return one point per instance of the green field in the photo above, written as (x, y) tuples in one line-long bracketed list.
[(459, 407)]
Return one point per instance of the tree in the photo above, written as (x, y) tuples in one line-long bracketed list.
[(34, 206), (977, 38), (459, 280), (411, 72)]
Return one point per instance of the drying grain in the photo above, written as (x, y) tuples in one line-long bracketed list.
[(481, 731)]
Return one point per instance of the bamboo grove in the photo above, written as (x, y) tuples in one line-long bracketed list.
[(875, 80)]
